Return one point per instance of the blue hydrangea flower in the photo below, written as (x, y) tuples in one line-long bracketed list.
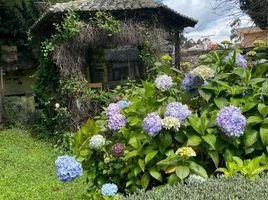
[(163, 82), (116, 122), (231, 121), (68, 168), (123, 103), (191, 82), (152, 124), (109, 189), (239, 60), (178, 110), (96, 142), (112, 109)]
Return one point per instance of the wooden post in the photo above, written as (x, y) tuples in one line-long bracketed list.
[(177, 49)]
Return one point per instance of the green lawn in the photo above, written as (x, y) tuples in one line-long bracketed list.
[(27, 170)]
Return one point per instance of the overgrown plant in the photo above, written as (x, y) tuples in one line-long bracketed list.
[(176, 127)]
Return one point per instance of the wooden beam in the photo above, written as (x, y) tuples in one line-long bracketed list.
[(178, 48)]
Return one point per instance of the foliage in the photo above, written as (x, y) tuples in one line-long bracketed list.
[(156, 158), (76, 100), (27, 170), (47, 78), (250, 168), (15, 21), (222, 188), (107, 22)]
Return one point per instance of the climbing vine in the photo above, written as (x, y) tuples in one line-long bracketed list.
[(65, 102)]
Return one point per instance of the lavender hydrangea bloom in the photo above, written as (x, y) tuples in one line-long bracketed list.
[(68, 168), (123, 103), (231, 121), (191, 82), (239, 60), (177, 110), (116, 122), (163, 82), (112, 109), (152, 124), (109, 189)]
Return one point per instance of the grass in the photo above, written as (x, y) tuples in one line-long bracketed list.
[(27, 170)]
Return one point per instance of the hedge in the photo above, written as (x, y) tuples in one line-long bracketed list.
[(221, 188)]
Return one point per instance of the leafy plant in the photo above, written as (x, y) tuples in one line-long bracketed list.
[(158, 150)]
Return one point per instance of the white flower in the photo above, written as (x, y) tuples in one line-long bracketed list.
[(171, 122), (195, 179), (96, 142), (163, 82), (57, 105)]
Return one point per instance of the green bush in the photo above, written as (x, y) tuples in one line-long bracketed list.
[(145, 150), (215, 188)]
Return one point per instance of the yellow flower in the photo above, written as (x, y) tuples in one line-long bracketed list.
[(166, 58), (186, 65), (259, 43), (251, 53), (203, 71), (186, 152)]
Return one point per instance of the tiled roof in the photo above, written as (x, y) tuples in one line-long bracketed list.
[(110, 5)]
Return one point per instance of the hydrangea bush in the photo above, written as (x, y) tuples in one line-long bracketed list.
[(178, 126)]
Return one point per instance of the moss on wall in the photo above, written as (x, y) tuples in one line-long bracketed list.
[(18, 83)]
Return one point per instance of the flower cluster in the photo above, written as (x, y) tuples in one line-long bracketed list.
[(197, 77), (171, 122), (68, 168), (231, 121), (166, 58), (163, 82), (118, 150), (204, 72), (239, 59), (109, 189), (123, 103), (191, 82), (195, 179), (152, 124), (186, 152), (96, 142), (116, 122), (112, 109), (177, 110)]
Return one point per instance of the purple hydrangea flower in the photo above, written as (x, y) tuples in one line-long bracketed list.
[(191, 82), (152, 124), (116, 122), (118, 150), (239, 60), (177, 110), (109, 189), (68, 168), (123, 103), (163, 82), (112, 109), (231, 121)]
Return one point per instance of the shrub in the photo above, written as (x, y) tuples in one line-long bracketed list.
[(214, 188), (158, 149)]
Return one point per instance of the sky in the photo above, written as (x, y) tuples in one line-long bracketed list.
[(210, 21)]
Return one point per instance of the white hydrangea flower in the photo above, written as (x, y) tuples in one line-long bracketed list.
[(96, 142), (163, 82), (203, 71), (195, 179), (171, 122)]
